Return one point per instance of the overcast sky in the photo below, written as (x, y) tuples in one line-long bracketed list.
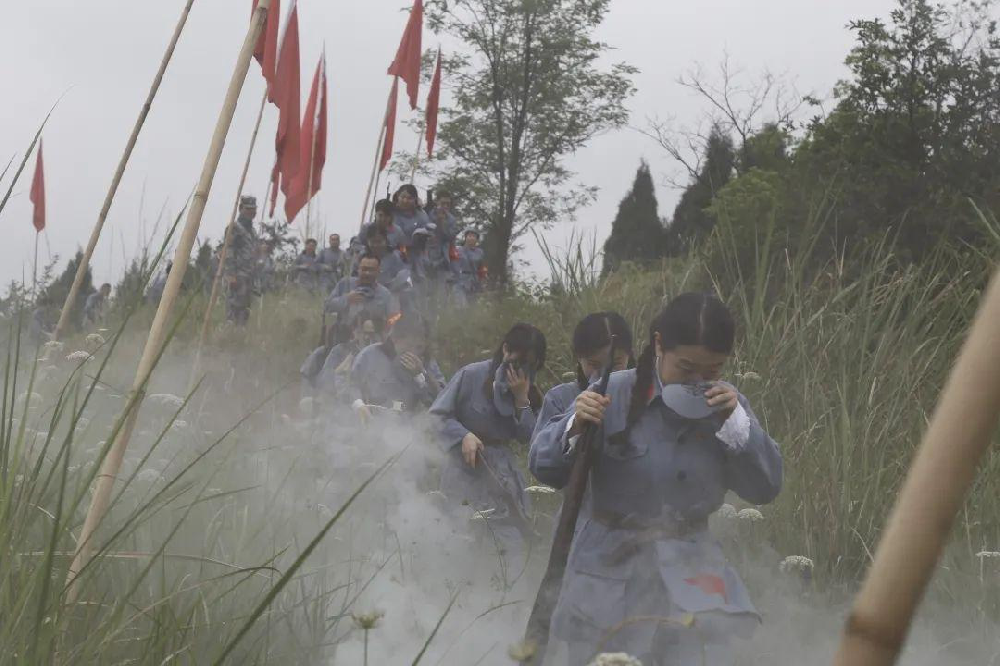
[(106, 52)]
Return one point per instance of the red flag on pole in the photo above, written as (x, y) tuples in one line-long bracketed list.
[(390, 126), (285, 92), (433, 101), (407, 63), (266, 51), (37, 195), (312, 143)]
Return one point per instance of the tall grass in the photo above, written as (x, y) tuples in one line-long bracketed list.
[(225, 542)]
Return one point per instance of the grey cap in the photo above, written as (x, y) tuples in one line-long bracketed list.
[(248, 202), (688, 400)]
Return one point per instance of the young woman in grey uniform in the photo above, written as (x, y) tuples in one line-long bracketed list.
[(643, 561), (485, 406), (591, 347)]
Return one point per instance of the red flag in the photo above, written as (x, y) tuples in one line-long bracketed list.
[(266, 51), (390, 126), (285, 92), (407, 63), (312, 143), (37, 195), (433, 101)]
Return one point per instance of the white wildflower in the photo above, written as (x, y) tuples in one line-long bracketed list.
[(615, 659), (749, 376), (482, 515), (179, 424), (148, 475), (167, 399), (988, 554), (53, 345), (95, 339), (795, 563), (79, 355), (540, 490), (81, 423), (29, 397), (750, 515), (728, 511)]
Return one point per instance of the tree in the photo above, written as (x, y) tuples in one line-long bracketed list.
[(58, 290), (637, 233), (692, 221), (526, 94), (916, 130)]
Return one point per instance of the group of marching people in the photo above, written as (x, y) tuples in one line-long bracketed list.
[(671, 439), (421, 259)]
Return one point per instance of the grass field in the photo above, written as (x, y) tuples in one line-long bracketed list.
[(228, 482)]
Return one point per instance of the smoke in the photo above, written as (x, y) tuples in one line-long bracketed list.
[(403, 551)]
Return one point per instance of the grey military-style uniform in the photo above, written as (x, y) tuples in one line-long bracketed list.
[(307, 271), (94, 308), (394, 235), (407, 224), (646, 549), (331, 265), (393, 271), (379, 302), (239, 270), (378, 378), (334, 377), (466, 270), (464, 406)]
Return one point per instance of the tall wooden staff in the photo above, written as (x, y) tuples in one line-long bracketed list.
[(158, 330), (378, 157), (217, 278), (81, 270), (941, 475), (537, 632)]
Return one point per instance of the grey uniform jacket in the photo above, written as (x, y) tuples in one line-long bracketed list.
[(407, 224), (380, 304), (331, 264), (661, 469), (306, 269), (393, 271), (466, 267), (463, 407), (378, 378)]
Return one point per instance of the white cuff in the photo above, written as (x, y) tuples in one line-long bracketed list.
[(421, 380), (735, 432), (570, 444)]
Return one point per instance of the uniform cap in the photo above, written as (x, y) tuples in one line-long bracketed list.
[(248, 202)]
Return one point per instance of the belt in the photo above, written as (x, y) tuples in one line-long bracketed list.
[(645, 530)]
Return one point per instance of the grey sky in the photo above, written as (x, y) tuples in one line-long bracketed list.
[(108, 51)]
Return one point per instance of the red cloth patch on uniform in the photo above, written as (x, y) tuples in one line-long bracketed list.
[(709, 584)]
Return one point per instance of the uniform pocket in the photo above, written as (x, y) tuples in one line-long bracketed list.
[(620, 446)]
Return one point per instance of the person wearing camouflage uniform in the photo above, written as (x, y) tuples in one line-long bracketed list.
[(240, 263)]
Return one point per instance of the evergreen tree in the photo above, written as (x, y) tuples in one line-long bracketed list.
[(55, 293), (692, 221), (637, 233)]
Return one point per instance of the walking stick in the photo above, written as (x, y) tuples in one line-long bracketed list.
[(942, 473), (537, 633)]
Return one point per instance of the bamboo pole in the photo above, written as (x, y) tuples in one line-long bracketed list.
[(941, 474), (416, 155), (81, 270), (217, 278), (378, 157), (158, 330)]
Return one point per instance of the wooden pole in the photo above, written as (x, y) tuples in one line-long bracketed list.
[(34, 271), (378, 157), (309, 185), (81, 270), (158, 330), (941, 474), (217, 278), (416, 155)]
